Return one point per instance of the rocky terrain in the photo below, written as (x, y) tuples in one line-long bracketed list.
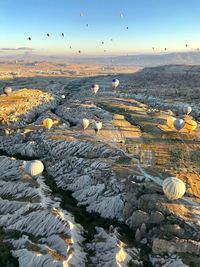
[(99, 201)]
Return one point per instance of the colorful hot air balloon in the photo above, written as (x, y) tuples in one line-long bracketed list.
[(47, 123), (85, 123), (179, 124), (95, 89), (115, 83), (170, 121), (190, 124), (173, 188), (187, 110), (7, 90), (97, 126), (34, 167)]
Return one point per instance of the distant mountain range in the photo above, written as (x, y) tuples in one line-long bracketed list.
[(145, 60)]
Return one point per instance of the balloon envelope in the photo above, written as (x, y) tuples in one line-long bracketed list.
[(173, 188), (85, 123), (7, 90), (98, 125), (170, 122), (115, 83), (179, 124), (95, 88), (34, 167), (190, 125), (187, 110), (48, 123)]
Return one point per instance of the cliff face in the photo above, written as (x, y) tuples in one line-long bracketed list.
[(99, 201)]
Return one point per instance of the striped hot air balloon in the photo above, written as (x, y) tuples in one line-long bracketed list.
[(34, 167), (173, 188), (85, 123), (47, 123), (7, 90)]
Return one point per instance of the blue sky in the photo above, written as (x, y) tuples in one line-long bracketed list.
[(151, 23)]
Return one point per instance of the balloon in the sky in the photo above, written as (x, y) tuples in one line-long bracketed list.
[(127, 28), (81, 14), (186, 45), (121, 15), (170, 122), (63, 34), (173, 188), (7, 90), (95, 89), (87, 25), (153, 48), (85, 123), (34, 167), (102, 42), (115, 83), (48, 34), (98, 126), (79, 51), (165, 49), (29, 38), (190, 124), (187, 109), (70, 47), (47, 123), (179, 124)]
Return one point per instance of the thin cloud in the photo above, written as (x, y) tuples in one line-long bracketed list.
[(16, 49)]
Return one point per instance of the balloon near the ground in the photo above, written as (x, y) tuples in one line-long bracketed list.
[(173, 188)]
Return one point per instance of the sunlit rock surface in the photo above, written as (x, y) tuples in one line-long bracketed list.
[(92, 180)]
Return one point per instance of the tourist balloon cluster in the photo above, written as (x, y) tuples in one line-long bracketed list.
[(97, 125), (95, 87), (179, 124)]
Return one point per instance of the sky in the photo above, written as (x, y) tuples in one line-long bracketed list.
[(151, 23)]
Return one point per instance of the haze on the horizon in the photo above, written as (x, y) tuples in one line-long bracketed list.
[(151, 23)]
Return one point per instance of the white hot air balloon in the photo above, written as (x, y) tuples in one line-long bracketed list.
[(187, 110), (63, 96), (179, 124), (7, 90), (34, 167), (97, 126), (115, 83), (173, 188), (85, 123), (95, 89)]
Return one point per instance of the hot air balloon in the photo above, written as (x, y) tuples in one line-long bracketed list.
[(187, 110), (165, 49), (121, 15), (34, 167), (173, 188), (87, 25), (47, 123), (63, 34), (115, 83), (179, 124), (95, 89), (85, 123), (186, 45), (190, 124), (29, 38), (102, 42), (97, 126), (7, 90), (63, 96), (48, 34), (79, 51), (127, 28), (70, 47), (170, 121), (81, 14), (153, 48)]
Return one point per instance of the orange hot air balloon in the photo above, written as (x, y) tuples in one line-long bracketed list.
[(47, 123), (170, 122), (190, 124)]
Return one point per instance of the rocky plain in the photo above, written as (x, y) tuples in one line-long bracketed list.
[(99, 202)]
